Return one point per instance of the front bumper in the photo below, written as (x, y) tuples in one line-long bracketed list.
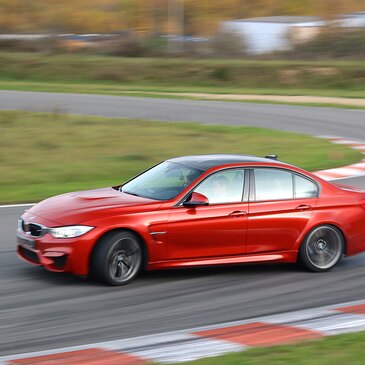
[(57, 261), (57, 255)]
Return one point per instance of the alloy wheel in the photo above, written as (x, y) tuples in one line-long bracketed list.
[(324, 247)]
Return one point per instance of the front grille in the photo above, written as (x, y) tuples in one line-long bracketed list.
[(29, 255), (34, 229)]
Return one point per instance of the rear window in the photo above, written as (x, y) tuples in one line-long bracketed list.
[(305, 188), (272, 184)]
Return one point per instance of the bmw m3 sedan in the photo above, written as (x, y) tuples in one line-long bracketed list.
[(195, 211)]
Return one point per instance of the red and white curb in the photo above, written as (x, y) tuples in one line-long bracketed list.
[(182, 346), (354, 170)]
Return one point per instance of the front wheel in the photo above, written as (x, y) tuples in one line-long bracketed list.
[(117, 259), (322, 248)]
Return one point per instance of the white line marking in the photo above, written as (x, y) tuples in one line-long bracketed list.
[(330, 177), (347, 142), (345, 177), (324, 176), (198, 348), (346, 171), (147, 341), (292, 318), (360, 165), (334, 325), (327, 137), (360, 148), (17, 205)]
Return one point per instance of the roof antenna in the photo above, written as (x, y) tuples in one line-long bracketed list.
[(272, 157)]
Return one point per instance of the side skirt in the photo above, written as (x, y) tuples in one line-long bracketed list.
[(285, 256)]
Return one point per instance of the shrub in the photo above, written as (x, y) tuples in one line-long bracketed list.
[(228, 44), (332, 42)]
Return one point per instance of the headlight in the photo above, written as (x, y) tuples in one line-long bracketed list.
[(20, 224), (69, 231)]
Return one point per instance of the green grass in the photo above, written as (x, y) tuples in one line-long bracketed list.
[(43, 154), (345, 349), (116, 75), (150, 90)]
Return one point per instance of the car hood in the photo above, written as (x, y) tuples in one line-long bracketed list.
[(81, 206)]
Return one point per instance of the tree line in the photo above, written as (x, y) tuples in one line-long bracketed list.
[(201, 17)]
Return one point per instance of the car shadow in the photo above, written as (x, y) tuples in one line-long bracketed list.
[(170, 275), (158, 276), (237, 270), (52, 278)]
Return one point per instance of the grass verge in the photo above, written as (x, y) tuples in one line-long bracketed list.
[(335, 350), (43, 154), (145, 90), (116, 75)]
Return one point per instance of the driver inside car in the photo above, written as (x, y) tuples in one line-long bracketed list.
[(219, 191)]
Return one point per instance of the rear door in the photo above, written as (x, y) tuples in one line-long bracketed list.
[(281, 204)]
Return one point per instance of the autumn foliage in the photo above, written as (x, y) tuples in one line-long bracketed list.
[(201, 17)]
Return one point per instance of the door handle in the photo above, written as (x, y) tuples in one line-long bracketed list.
[(238, 213), (303, 207)]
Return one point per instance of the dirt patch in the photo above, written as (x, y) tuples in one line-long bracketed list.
[(295, 99), (289, 77)]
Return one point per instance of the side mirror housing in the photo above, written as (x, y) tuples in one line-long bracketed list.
[(196, 200)]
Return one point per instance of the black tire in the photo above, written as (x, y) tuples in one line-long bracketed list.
[(117, 258), (322, 248)]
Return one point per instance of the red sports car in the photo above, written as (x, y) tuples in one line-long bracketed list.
[(196, 211)]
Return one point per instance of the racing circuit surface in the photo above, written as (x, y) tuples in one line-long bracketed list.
[(41, 310)]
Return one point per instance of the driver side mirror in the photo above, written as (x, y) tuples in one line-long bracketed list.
[(196, 199)]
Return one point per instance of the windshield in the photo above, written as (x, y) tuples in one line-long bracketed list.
[(162, 182)]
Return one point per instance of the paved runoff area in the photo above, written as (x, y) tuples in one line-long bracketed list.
[(182, 346)]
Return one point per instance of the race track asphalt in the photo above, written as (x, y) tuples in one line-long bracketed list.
[(41, 310), (314, 120)]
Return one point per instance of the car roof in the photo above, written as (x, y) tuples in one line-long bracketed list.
[(206, 162)]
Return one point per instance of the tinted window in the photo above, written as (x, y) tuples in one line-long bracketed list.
[(223, 187), (304, 188), (272, 184)]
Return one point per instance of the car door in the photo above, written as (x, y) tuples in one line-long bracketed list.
[(218, 229), (281, 204)]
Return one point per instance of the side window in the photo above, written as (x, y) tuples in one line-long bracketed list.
[(272, 184), (223, 187), (305, 188)]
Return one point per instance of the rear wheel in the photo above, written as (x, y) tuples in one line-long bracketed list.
[(117, 259), (322, 248)]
